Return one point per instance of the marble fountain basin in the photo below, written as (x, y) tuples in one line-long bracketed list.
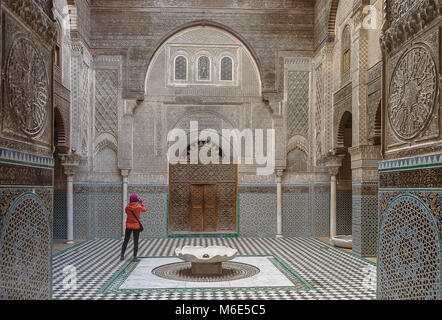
[(345, 242), (206, 260)]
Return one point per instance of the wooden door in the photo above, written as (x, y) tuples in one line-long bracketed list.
[(203, 210), (210, 215), (196, 207)]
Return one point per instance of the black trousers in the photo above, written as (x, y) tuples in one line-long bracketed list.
[(127, 235)]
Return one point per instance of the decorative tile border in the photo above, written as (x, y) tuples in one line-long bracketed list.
[(18, 157), (114, 284), (434, 160), (419, 178)]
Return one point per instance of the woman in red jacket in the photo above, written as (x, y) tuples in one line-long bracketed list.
[(134, 208)]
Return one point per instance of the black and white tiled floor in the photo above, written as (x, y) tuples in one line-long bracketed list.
[(333, 273)]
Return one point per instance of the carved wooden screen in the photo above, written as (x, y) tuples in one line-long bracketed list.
[(203, 199)]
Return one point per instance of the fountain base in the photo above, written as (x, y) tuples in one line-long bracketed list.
[(207, 268)]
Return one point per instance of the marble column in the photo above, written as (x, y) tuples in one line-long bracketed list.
[(333, 186), (279, 174), (70, 162), (333, 164), (125, 175)]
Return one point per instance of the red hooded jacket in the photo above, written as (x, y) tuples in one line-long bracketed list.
[(131, 222)]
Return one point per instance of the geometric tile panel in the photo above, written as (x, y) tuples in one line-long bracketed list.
[(321, 214), (365, 225), (296, 215), (83, 222), (155, 219), (344, 212), (97, 211), (357, 224), (257, 216), (108, 214), (25, 249), (409, 246), (60, 218)]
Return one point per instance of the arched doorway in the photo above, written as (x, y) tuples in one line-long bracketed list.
[(344, 179)]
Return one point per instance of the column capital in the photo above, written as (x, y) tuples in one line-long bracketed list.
[(279, 173), (70, 162), (333, 163), (125, 172)]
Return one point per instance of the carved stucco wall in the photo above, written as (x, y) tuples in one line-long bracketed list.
[(213, 104), (412, 145), (26, 143), (122, 31)]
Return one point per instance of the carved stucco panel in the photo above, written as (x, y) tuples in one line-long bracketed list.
[(413, 109), (413, 89), (27, 110)]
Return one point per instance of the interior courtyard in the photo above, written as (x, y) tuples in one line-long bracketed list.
[(333, 191)]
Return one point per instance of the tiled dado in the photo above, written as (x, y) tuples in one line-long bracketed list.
[(343, 212), (364, 218), (155, 198), (410, 226), (25, 243), (98, 211), (305, 210)]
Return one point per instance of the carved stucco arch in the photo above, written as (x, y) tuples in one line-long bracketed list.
[(61, 139), (340, 133), (298, 142), (106, 141), (332, 20), (203, 23), (185, 117)]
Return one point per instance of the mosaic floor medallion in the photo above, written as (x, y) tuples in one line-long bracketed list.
[(183, 272)]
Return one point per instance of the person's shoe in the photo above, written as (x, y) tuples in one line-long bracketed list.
[(135, 259), (122, 257)]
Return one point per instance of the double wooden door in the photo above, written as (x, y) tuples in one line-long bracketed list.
[(203, 210)]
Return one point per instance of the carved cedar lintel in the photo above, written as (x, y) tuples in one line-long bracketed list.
[(409, 23), (34, 17)]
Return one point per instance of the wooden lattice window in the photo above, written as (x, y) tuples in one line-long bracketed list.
[(180, 68), (226, 69), (203, 68)]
